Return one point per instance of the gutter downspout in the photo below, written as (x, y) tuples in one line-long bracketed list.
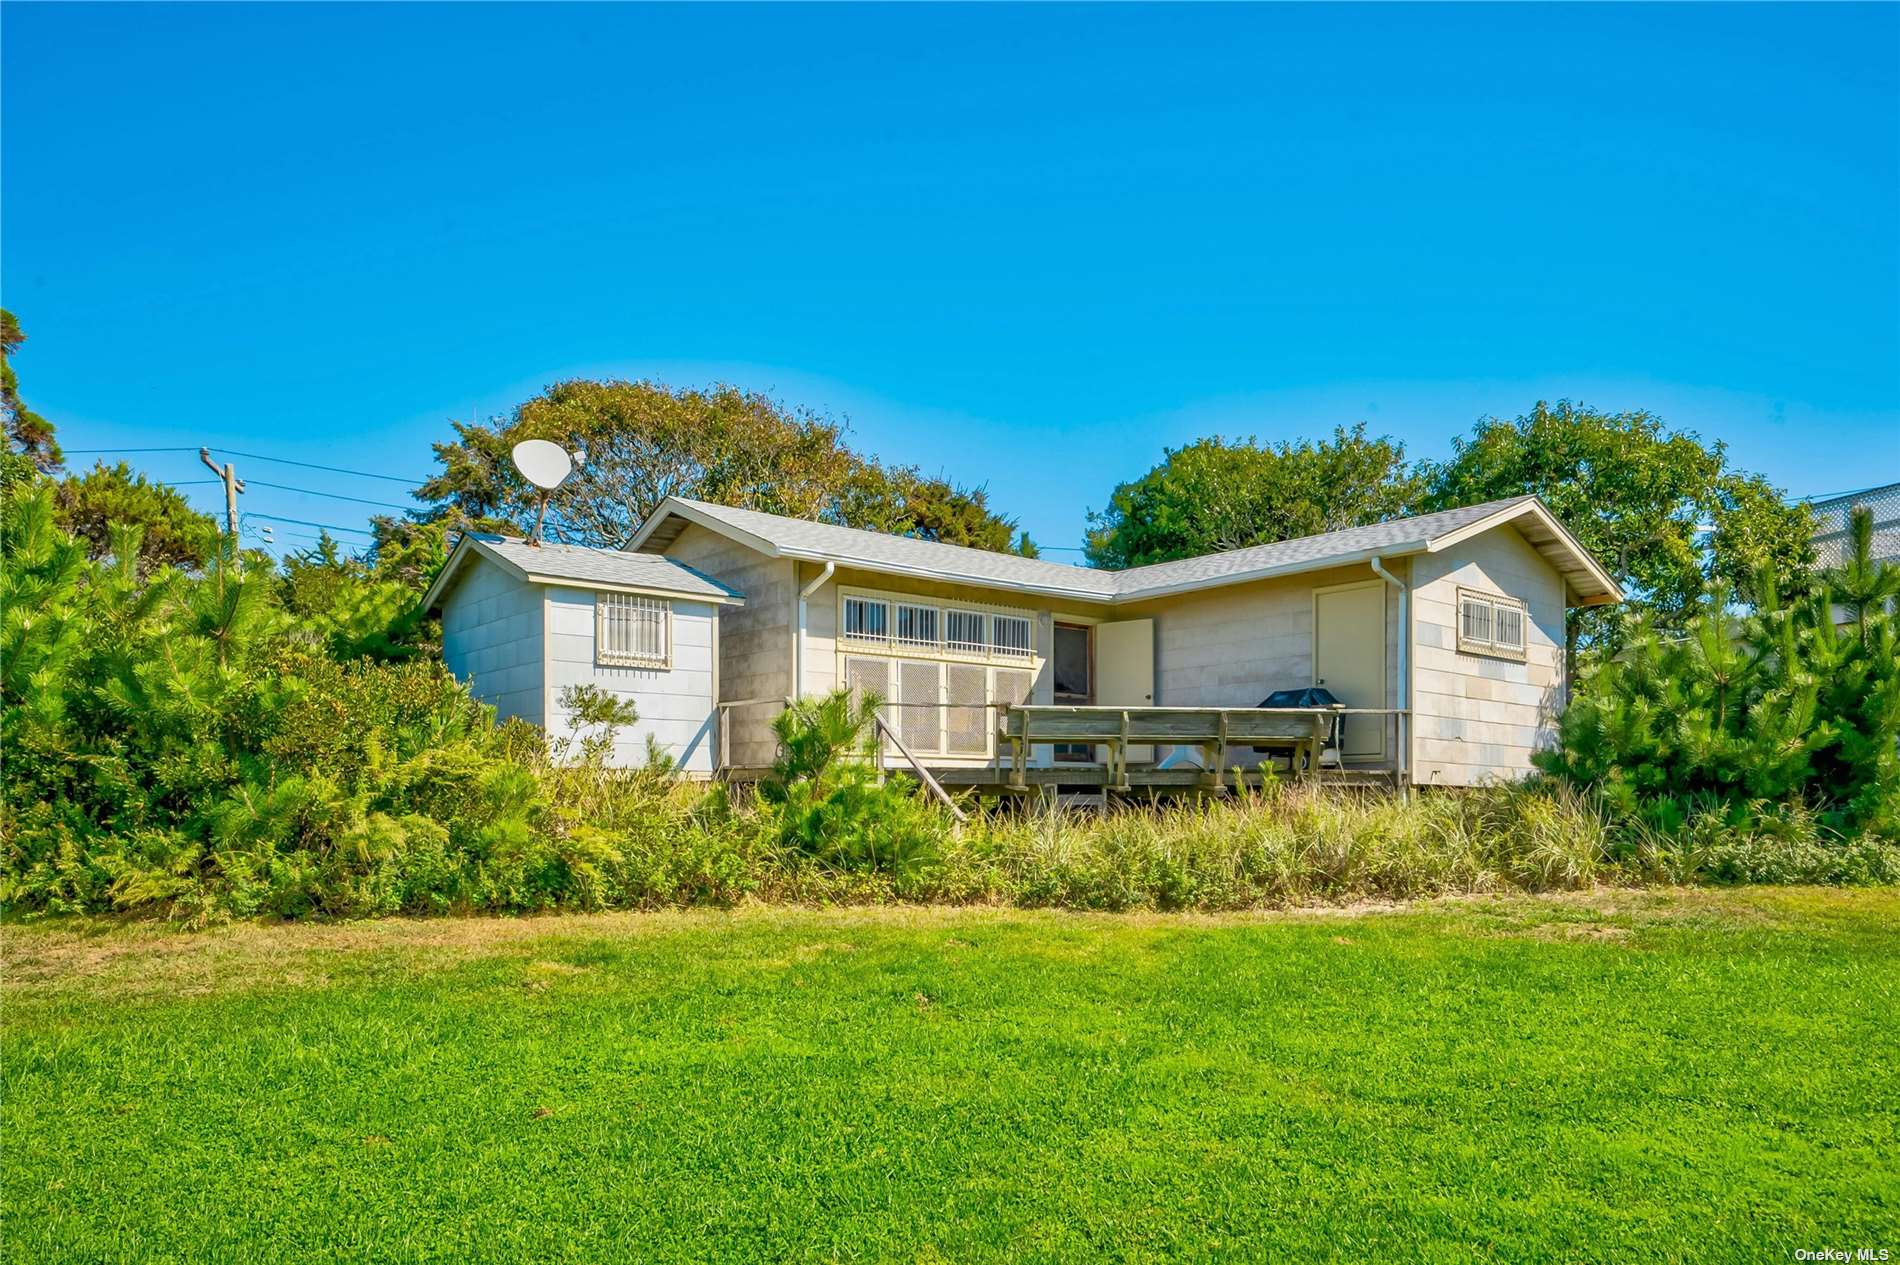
[(1402, 732), (798, 646)]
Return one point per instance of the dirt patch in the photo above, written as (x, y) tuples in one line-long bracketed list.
[(134, 958)]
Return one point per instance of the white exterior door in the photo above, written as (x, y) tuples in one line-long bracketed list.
[(1125, 670), (1349, 659)]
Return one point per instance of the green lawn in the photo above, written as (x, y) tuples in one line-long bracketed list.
[(1623, 1076)]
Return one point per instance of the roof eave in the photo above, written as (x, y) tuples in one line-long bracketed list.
[(457, 558), (1610, 591), (649, 590), (672, 506)]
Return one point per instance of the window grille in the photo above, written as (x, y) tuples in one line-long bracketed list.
[(963, 631), (1011, 635), (917, 626), (632, 630), (1489, 624), (866, 619)]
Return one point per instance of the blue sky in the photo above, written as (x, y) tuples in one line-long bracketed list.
[(1026, 247)]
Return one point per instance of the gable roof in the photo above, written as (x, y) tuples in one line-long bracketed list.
[(777, 536), (576, 566)]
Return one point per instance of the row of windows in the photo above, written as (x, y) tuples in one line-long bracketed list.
[(938, 629)]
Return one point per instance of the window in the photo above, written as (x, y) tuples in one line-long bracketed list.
[(917, 626), (1490, 624), (1010, 635), (632, 630), (866, 619), (964, 631)]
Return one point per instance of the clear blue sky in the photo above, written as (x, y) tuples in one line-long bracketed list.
[(1026, 247)]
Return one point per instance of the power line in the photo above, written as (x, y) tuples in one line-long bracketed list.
[(304, 522), (253, 456), (335, 496), (92, 451), (311, 465)]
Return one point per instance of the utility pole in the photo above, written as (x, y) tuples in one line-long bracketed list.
[(232, 486)]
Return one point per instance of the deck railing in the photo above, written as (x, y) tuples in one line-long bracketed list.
[(1300, 734)]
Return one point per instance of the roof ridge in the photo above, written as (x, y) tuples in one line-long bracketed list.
[(1114, 576), (1337, 531), (886, 535)]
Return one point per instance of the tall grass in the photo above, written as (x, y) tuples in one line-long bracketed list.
[(1278, 847)]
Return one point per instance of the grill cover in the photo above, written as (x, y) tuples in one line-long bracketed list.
[(1307, 696)]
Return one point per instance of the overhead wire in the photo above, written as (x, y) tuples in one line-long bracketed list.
[(258, 456)]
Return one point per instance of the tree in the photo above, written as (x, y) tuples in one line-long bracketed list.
[(1217, 494), (28, 434), (903, 501), (406, 552), (1778, 707), (1660, 509), (172, 533), (644, 442)]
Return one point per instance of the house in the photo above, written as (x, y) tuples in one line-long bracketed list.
[(522, 622), (1445, 633)]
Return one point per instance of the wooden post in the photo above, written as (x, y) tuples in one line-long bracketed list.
[(929, 781), (1121, 757), (1019, 753), (1218, 751)]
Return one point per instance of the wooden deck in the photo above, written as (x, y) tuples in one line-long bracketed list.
[(1299, 734)]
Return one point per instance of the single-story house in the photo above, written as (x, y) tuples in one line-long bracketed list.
[(1451, 624), (522, 622)]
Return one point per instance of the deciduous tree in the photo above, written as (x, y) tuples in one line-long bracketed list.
[(1218, 494), (644, 442), (1661, 509)]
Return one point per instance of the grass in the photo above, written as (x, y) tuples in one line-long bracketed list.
[(1618, 1075)]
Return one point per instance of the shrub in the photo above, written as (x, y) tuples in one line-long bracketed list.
[(191, 746), (833, 806), (1751, 716)]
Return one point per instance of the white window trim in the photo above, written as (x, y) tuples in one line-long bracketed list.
[(603, 601), (1490, 646)]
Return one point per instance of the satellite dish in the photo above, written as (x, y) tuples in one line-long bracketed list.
[(546, 466), (542, 463)]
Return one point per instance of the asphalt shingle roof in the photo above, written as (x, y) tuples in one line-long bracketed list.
[(877, 551), (1305, 551), (850, 544), (605, 566)]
